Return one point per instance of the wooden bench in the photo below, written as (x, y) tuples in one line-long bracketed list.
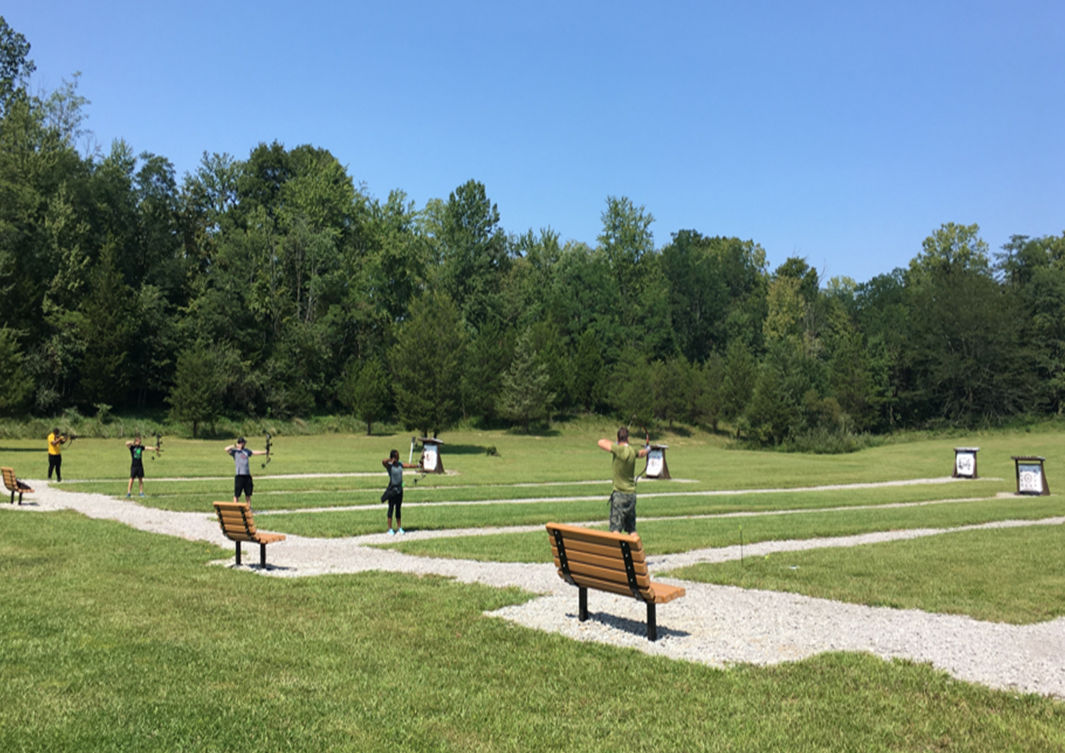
[(14, 485), (238, 525), (606, 561)]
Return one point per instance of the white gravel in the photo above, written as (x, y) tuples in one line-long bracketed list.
[(714, 625)]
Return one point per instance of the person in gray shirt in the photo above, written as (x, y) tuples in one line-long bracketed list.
[(242, 482)]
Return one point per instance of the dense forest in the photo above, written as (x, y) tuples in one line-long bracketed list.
[(276, 286)]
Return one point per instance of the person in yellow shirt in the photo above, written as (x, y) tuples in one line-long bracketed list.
[(55, 454)]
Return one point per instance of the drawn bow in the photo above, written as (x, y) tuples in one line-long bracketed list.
[(269, 444)]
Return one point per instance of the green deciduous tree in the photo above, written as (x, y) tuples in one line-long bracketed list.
[(15, 67)]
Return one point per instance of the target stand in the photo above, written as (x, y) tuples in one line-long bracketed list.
[(656, 462), (1031, 478), (965, 462), (431, 460)]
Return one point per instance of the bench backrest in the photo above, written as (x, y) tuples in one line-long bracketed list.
[(9, 479), (603, 560), (236, 519)]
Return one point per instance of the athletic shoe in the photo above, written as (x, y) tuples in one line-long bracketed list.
[(400, 531), (391, 532), (142, 494), (127, 496)]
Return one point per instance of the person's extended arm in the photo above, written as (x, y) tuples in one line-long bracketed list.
[(606, 444)]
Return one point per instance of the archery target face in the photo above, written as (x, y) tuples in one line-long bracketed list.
[(429, 458), (1030, 478), (965, 464), (655, 460)]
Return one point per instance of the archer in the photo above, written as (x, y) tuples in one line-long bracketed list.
[(623, 496), (55, 453), (242, 482), (136, 468)]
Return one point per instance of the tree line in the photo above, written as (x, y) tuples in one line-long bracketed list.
[(276, 285)]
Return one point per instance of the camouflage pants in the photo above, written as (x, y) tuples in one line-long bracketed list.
[(623, 511)]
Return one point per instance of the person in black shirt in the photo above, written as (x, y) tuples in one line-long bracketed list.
[(136, 468)]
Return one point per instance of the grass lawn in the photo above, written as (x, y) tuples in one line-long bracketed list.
[(119, 640), (671, 536), (113, 639), (1014, 575)]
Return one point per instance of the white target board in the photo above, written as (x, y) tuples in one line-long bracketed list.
[(1030, 478), (430, 458), (655, 462), (965, 463)]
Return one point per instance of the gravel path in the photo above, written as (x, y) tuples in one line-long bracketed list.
[(714, 625)]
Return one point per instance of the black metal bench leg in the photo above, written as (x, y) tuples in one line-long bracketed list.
[(262, 555), (238, 552), (652, 623), (582, 603)]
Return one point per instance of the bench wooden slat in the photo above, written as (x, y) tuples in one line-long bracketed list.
[(607, 549), (610, 574), (237, 522), (663, 592), (592, 565), (592, 535), (609, 557), (622, 589)]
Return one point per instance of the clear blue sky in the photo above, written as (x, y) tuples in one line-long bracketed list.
[(842, 132)]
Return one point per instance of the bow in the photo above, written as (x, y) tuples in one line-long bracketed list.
[(269, 444), (158, 445)]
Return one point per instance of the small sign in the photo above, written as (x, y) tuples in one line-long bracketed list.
[(1031, 476), (656, 462), (965, 462)]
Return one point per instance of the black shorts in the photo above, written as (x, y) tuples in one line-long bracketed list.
[(242, 484), (136, 470)]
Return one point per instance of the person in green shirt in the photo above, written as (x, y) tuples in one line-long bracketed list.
[(623, 496)]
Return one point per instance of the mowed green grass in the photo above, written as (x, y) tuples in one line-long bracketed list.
[(671, 536), (568, 453), (1014, 575), (120, 640)]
